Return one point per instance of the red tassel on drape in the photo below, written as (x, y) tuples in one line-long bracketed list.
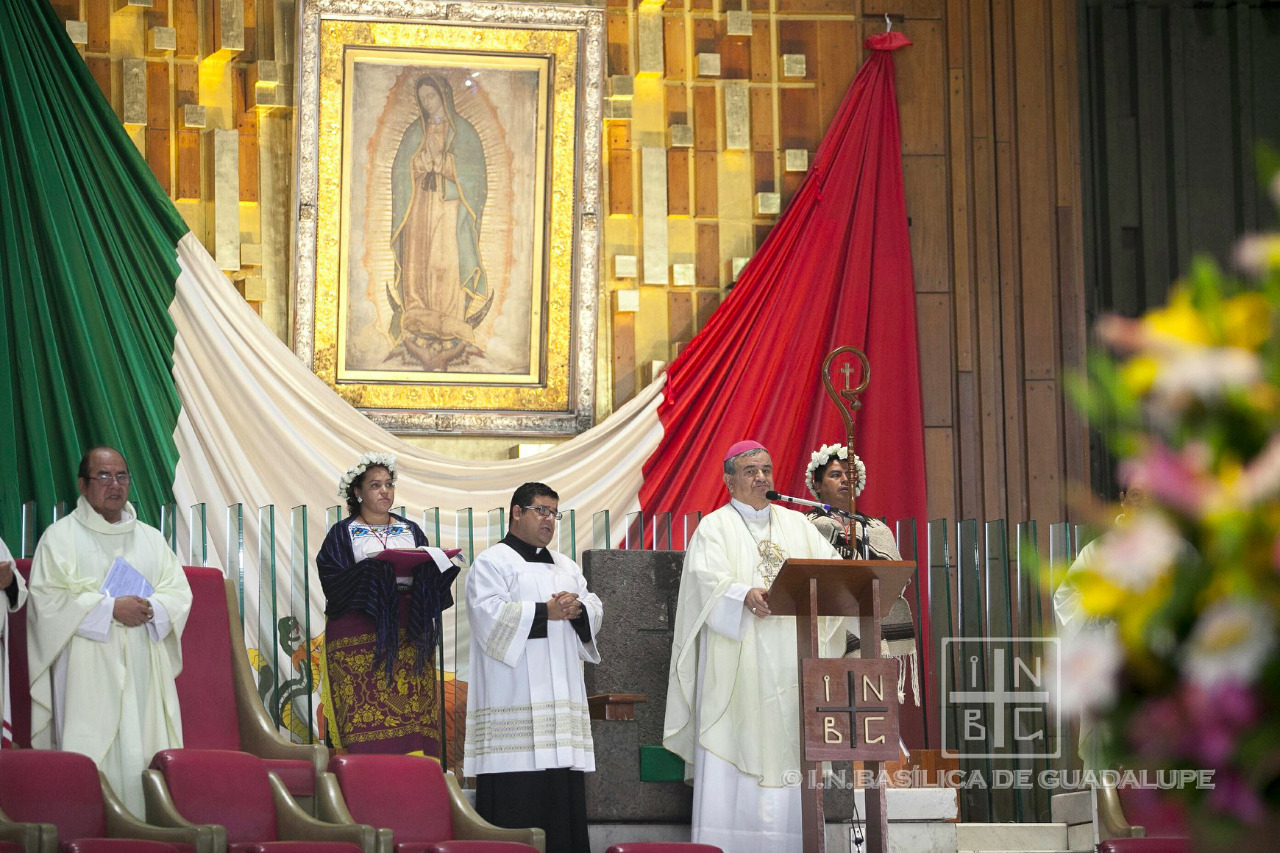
[(834, 271)]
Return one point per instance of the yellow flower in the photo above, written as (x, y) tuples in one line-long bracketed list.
[(1139, 374), (1246, 320), (1098, 595), (1179, 320)]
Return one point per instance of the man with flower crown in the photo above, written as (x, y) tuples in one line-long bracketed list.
[(732, 694), (108, 602)]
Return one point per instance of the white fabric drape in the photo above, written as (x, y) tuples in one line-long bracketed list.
[(257, 427)]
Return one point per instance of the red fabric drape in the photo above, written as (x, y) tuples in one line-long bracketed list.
[(834, 271)]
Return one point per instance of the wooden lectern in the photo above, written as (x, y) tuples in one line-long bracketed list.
[(840, 726)]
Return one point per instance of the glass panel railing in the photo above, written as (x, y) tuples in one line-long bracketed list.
[(333, 515), (1034, 803), (235, 550), (266, 665), (400, 511), (60, 511), (495, 526), (169, 525), (943, 654), (998, 615), (297, 699), (198, 535), (662, 532), (567, 535), (601, 537), (691, 520), (431, 525), (975, 803), (633, 539), (27, 539), (908, 549)]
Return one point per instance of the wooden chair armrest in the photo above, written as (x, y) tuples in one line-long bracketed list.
[(34, 837), (468, 825), (614, 706), (296, 825), (1111, 820), (161, 811), (121, 823)]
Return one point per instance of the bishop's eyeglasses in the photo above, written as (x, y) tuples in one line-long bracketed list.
[(105, 479)]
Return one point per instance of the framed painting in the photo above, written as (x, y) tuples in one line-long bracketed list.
[(446, 267)]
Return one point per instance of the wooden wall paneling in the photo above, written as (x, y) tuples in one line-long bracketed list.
[(705, 39), (706, 200), (66, 10), (1156, 204), (762, 166), (158, 138), (1012, 331), (937, 364), (1074, 341), (186, 25), (624, 358), (187, 170), (677, 181), (976, 29), (1001, 24), (761, 118), (158, 14), (676, 96), (621, 189), (1036, 218), (814, 7), (1063, 23), (969, 450), (798, 36), (760, 233), (1044, 453), (735, 55), (246, 118), (100, 70), (673, 46), (761, 6), (908, 8), (679, 317), (922, 89), (789, 186), (708, 302), (761, 51), (250, 13), (701, 5), (925, 184), (940, 462), (705, 137), (186, 84), (798, 117), (97, 15), (618, 34), (1119, 166), (961, 221), (706, 257), (839, 56)]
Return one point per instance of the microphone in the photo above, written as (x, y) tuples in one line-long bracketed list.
[(775, 496)]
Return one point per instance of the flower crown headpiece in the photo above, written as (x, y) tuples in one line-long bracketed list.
[(385, 460), (823, 455)]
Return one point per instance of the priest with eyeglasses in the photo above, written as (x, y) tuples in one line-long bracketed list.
[(108, 602), (533, 623)]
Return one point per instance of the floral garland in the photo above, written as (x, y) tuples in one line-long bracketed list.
[(824, 455), (385, 460)]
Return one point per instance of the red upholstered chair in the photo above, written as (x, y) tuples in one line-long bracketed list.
[(11, 847), (663, 847), (47, 796), (221, 708), (246, 807), (415, 805)]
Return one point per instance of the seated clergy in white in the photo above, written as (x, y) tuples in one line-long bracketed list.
[(533, 622), (108, 604), (732, 698), (15, 595)]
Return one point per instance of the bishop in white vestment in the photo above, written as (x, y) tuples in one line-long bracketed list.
[(533, 623), (15, 595), (103, 665), (732, 695)]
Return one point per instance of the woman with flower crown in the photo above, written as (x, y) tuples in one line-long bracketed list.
[(865, 538), (382, 607)]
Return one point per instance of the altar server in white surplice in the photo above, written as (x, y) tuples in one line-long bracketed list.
[(103, 663), (732, 695), (14, 590), (533, 622)]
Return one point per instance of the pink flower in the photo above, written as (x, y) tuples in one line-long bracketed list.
[(1194, 724), (1137, 555), (1179, 481), (1231, 796)]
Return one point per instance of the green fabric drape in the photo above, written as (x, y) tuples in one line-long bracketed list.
[(87, 271)]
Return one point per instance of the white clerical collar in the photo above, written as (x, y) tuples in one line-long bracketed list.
[(749, 511)]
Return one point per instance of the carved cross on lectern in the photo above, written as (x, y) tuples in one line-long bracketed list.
[(850, 709)]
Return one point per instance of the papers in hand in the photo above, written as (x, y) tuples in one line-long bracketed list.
[(405, 559), (124, 579)]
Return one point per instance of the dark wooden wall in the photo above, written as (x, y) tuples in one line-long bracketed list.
[(1177, 94)]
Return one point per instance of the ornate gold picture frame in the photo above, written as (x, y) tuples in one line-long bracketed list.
[(448, 212)]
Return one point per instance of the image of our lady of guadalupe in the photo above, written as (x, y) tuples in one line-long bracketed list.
[(439, 182)]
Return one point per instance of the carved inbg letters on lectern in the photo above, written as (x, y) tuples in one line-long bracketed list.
[(850, 709)]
